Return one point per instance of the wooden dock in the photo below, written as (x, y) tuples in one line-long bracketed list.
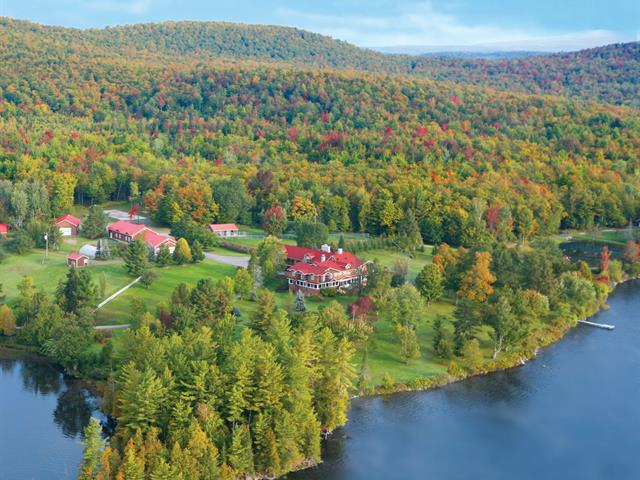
[(598, 325)]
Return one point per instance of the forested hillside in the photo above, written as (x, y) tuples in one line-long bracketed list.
[(362, 148), (607, 74)]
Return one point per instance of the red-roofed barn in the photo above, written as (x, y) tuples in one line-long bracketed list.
[(68, 225)]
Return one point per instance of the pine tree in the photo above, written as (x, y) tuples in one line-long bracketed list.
[(266, 308), (132, 466), (136, 258), (93, 446), (409, 236), (182, 253), (299, 305), (197, 255), (76, 291), (95, 224), (267, 459), (241, 452), (163, 258)]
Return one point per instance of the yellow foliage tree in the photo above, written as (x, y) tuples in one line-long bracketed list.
[(477, 282), (7, 321)]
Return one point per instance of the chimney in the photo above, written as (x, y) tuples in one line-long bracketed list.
[(323, 258), (325, 248), (339, 250)]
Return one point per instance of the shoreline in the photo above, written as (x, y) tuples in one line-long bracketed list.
[(548, 337)]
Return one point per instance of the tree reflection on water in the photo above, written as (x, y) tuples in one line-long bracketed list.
[(75, 404)]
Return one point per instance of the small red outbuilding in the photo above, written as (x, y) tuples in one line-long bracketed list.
[(77, 260)]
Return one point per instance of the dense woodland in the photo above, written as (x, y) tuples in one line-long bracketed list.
[(608, 74), (157, 115)]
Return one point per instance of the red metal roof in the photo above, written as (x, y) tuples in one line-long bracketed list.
[(221, 227), (315, 269), (75, 221), (126, 228), (297, 253), (76, 256), (154, 239), (4, 228)]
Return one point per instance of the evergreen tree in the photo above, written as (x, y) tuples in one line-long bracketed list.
[(163, 258), (299, 305), (241, 453), (95, 225), (265, 311), (197, 254), (104, 251), (267, 459), (93, 446), (409, 237), (136, 258), (182, 253), (77, 290)]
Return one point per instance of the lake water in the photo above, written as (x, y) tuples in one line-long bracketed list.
[(573, 413), (42, 416)]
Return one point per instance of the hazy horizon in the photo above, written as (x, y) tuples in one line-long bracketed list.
[(429, 26)]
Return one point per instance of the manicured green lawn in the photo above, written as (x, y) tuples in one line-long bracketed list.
[(384, 348), (388, 258), (118, 310), (619, 237), (47, 274)]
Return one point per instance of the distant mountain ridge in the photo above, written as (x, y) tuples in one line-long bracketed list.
[(606, 74)]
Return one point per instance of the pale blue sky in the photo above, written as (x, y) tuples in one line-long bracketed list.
[(503, 24)]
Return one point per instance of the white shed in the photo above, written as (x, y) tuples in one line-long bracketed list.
[(89, 251)]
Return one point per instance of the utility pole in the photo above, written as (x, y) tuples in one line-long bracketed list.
[(46, 247)]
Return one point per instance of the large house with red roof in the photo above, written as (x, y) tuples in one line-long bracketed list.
[(311, 270), (127, 232), (68, 225)]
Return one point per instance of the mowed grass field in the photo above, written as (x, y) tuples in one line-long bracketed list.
[(388, 258), (118, 309), (616, 237), (46, 274)]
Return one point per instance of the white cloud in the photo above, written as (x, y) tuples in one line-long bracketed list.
[(423, 24), (132, 7)]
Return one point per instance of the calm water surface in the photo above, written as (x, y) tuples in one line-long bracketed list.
[(573, 413), (42, 416)]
